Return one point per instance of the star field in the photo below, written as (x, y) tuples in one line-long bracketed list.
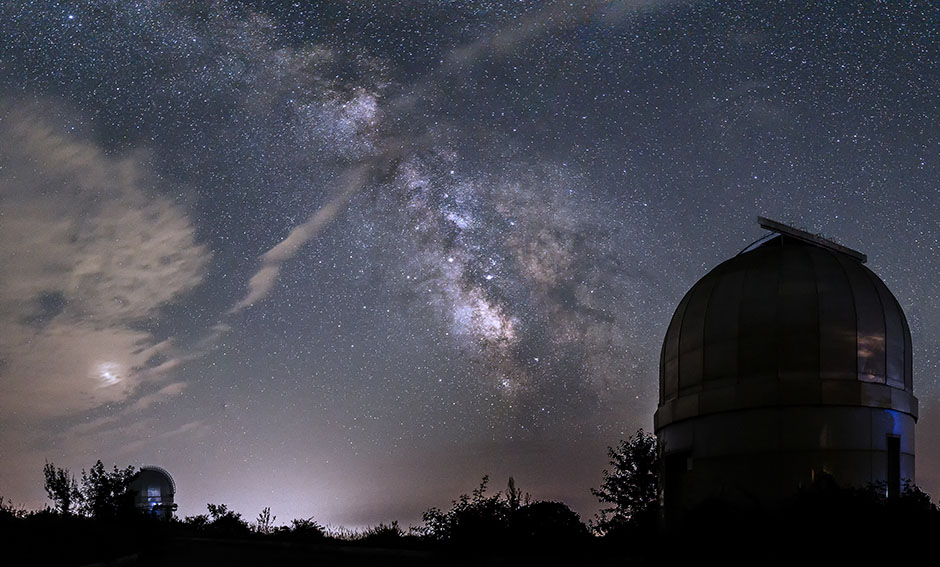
[(343, 259)]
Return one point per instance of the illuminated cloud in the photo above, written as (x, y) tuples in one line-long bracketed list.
[(90, 253), (165, 393)]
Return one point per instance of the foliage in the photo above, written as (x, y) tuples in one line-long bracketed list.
[(265, 522), (220, 521), (219, 511), (226, 522), (341, 533), (62, 489), (199, 521), (472, 517), (106, 494), (304, 529), (382, 534), (514, 496), (503, 519), (631, 485), (915, 499), (8, 511), (545, 523)]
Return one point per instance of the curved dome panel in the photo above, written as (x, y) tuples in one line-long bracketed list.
[(157, 476), (786, 322)]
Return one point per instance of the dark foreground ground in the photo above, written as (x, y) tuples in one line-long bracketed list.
[(186, 552), (875, 544), (828, 528), (51, 540)]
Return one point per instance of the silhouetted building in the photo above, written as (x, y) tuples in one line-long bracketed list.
[(787, 365), (154, 491)]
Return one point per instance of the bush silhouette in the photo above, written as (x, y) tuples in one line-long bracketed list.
[(548, 524), (390, 535), (302, 530), (503, 521), (225, 522), (473, 517)]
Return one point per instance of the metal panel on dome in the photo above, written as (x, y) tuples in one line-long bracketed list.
[(837, 319), (757, 356), (869, 312), (691, 339), (796, 329), (721, 329), (895, 345), (908, 358), (669, 371)]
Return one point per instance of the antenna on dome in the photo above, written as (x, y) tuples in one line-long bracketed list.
[(781, 228)]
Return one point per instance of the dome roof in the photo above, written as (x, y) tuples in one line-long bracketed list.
[(153, 476), (791, 320)]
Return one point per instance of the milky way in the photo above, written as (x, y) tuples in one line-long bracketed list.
[(344, 259)]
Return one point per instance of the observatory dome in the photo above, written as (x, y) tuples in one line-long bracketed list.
[(793, 354), (154, 491), (785, 322)]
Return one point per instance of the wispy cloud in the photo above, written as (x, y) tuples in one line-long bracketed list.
[(90, 255), (264, 279), (165, 393)]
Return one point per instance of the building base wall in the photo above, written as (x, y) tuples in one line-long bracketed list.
[(761, 457)]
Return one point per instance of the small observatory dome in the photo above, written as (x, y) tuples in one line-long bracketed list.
[(788, 363), (154, 491)]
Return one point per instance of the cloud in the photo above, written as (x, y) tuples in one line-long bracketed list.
[(90, 253), (547, 20), (264, 279), (164, 393)]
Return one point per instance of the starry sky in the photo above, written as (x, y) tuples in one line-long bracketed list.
[(343, 258)]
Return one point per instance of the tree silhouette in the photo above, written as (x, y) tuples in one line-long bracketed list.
[(631, 485), (514, 496), (265, 522), (106, 494), (62, 488)]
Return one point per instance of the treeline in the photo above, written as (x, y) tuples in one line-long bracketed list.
[(98, 525), (94, 518), (104, 497), (629, 490)]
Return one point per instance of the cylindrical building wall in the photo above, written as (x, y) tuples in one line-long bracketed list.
[(759, 457)]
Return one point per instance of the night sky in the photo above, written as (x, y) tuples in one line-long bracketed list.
[(343, 259)]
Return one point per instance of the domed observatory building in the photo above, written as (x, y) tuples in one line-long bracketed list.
[(154, 491), (788, 364)]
